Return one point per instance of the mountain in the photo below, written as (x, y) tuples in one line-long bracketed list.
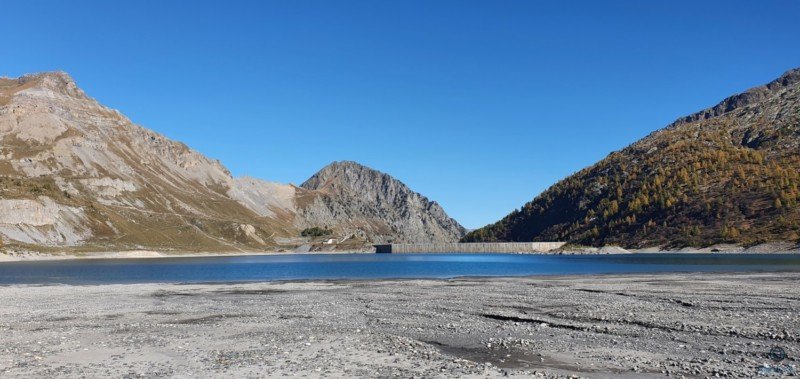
[(727, 174), (76, 174), (369, 200), (352, 201)]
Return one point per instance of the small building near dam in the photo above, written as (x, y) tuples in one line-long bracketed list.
[(473, 247)]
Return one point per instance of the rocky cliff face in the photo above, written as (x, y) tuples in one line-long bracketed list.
[(353, 197), (74, 173), (727, 174), (353, 201)]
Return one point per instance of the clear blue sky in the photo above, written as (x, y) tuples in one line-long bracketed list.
[(479, 105)]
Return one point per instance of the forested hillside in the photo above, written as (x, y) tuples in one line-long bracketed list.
[(725, 174)]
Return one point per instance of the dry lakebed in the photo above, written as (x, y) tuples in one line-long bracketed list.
[(681, 325)]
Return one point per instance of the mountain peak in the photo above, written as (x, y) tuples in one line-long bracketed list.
[(347, 171), (54, 81), (345, 165), (789, 77), (58, 75), (377, 202)]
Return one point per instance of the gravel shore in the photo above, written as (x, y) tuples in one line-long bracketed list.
[(693, 325)]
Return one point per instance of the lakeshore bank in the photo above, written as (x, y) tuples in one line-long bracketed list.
[(693, 325), (15, 255)]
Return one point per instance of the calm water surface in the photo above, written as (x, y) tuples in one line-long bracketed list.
[(376, 266)]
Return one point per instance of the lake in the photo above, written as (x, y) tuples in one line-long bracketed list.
[(375, 266)]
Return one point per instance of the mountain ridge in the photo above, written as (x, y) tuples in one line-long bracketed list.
[(731, 103), (724, 174), (77, 175)]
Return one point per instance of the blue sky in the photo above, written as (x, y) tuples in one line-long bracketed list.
[(479, 105)]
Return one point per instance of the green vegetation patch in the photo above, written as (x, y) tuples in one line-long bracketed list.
[(316, 232)]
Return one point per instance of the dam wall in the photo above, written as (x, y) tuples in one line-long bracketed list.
[(476, 247)]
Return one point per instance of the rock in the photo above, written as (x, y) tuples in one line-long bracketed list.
[(352, 196)]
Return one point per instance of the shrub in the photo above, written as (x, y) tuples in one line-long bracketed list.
[(315, 232)]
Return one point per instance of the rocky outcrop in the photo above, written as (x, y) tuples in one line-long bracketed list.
[(351, 196), (751, 96), (42, 222)]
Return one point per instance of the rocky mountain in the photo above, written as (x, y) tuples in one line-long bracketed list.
[(355, 197), (76, 174), (353, 201), (727, 174)]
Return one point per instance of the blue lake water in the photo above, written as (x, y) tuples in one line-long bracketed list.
[(376, 266)]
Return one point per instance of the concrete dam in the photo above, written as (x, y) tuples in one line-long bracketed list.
[(475, 247)]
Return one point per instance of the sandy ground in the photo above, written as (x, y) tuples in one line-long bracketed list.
[(591, 326)]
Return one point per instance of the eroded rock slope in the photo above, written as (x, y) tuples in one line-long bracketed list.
[(74, 173)]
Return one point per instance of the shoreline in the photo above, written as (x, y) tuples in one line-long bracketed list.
[(370, 281), (27, 255), (692, 325), (148, 254)]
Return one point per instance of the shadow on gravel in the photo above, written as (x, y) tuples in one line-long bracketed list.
[(165, 313), (250, 292), (292, 317), (503, 357), (206, 319), (644, 298), (60, 319), (164, 294), (530, 321)]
